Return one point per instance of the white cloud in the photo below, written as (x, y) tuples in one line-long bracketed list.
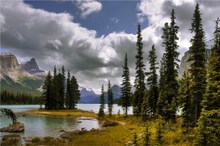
[(56, 39), (88, 7), (115, 20)]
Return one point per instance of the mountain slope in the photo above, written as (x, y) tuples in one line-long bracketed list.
[(15, 78)]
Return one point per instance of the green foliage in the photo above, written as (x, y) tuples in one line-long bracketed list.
[(110, 99), (55, 93), (101, 113), (167, 98), (208, 130), (197, 70), (126, 87), (145, 109), (9, 98), (139, 77), (212, 95), (152, 81), (185, 99)]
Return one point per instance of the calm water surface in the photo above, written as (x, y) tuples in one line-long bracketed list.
[(42, 126)]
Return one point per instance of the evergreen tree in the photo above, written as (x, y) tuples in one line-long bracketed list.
[(139, 77), (208, 130), (101, 113), (126, 87), (110, 99), (145, 109), (152, 81), (47, 90), (168, 97), (55, 90), (185, 100), (74, 87), (62, 88), (197, 70), (69, 93), (160, 103), (212, 96)]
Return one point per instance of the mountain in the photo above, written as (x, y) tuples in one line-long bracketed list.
[(185, 64), (14, 78), (89, 96), (32, 68)]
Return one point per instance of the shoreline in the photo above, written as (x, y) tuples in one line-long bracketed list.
[(76, 113)]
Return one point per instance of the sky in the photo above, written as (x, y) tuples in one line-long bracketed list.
[(91, 37)]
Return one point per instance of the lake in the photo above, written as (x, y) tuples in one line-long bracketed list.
[(42, 126)]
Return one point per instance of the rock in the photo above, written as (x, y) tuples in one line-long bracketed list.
[(16, 127), (13, 139), (70, 134), (62, 130)]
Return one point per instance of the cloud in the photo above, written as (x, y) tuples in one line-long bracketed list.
[(115, 20), (55, 38), (158, 12), (88, 7)]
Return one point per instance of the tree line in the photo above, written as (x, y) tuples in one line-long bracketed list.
[(60, 92), (197, 93), (9, 98)]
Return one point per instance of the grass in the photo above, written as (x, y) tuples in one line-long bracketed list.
[(61, 113), (119, 135)]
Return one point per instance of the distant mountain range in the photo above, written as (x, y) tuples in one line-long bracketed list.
[(89, 96)]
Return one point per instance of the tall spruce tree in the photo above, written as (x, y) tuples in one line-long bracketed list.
[(212, 96), (152, 81), (185, 99), (125, 87), (101, 113), (208, 123), (69, 93), (62, 87), (140, 76), (168, 97), (198, 59), (110, 98), (47, 90), (74, 87)]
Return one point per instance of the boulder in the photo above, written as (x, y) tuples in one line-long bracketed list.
[(16, 127)]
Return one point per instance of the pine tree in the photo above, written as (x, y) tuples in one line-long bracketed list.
[(101, 113), (168, 97), (110, 98), (75, 92), (62, 88), (140, 76), (208, 130), (55, 90), (212, 96), (152, 81), (47, 91), (197, 70), (69, 93), (145, 109), (185, 100), (126, 87)]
